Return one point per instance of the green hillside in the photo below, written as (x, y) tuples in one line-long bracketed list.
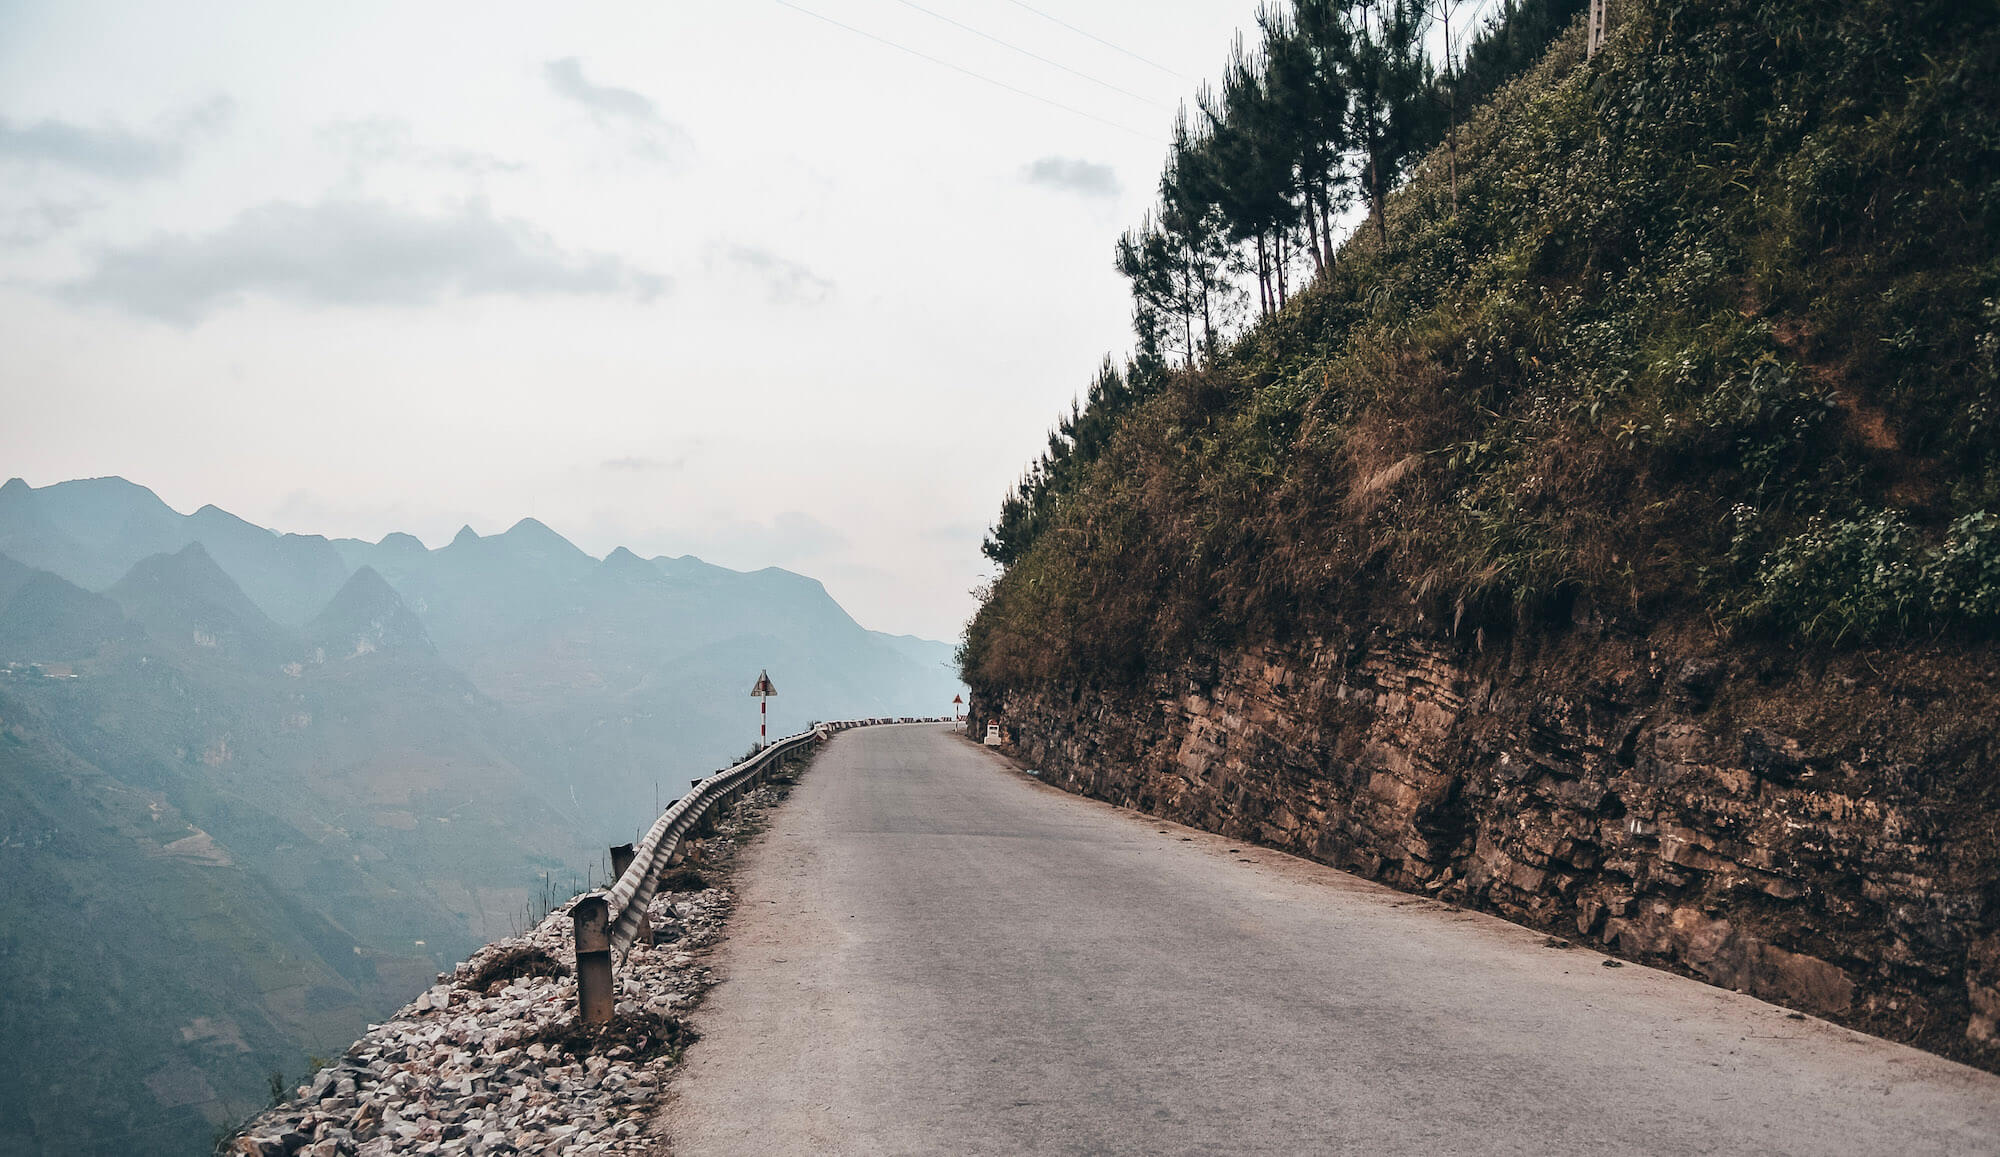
[(1706, 336)]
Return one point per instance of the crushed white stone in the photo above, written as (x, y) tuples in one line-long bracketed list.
[(459, 1071)]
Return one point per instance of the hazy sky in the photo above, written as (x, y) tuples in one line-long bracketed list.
[(721, 278)]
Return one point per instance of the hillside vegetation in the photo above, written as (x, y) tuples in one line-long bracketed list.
[(1700, 337)]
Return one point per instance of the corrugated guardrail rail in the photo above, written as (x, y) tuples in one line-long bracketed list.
[(613, 920)]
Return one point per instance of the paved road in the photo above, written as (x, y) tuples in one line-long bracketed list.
[(935, 954)]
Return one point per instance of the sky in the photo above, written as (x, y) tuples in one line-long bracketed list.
[(797, 283)]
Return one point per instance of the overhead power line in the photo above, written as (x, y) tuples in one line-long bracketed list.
[(965, 71), (1031, 55), (1099, 39)]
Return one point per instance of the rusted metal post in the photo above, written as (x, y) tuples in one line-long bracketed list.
[(592, 921), (621, 859)]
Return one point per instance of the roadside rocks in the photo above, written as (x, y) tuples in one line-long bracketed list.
[(1982, 983), (492, 1060)]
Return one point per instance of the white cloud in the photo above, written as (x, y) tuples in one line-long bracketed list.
[(632, 114), (386, 140), (349, 253), (1085, 178), (111, 151), (784, 281), (38, 222)]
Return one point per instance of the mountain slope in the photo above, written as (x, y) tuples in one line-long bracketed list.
[(299, 775), (289, 576), (1608, 541), (44, 617), (186, 600), (368, 615), (268, 846)]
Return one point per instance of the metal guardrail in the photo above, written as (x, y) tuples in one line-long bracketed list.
[(614, 919)]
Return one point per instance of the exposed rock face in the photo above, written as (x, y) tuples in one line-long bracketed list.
[(1601, 789)]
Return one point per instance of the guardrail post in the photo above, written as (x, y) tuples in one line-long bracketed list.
[(703, 823), (621, 859), (591, 918)]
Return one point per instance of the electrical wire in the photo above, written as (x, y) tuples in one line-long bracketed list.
[(965, 71), (1031, 55), (1099, 39)]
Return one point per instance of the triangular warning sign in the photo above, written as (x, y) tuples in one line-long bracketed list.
[(764, 688)]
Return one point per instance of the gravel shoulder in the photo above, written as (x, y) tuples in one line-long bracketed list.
[(491, 1062)]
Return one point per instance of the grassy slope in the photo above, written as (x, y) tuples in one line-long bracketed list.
[(1709, 344)]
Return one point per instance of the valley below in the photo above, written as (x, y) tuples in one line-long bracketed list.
[(256, 789)]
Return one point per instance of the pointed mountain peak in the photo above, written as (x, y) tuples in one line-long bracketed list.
[(367, 582), (623, 564), (19, 497), (536, 535), (366, 616), (188, 570), (466, 536), (185, 596), (215, 517)]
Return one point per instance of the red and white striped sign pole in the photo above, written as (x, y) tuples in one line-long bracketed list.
[(762, 693)]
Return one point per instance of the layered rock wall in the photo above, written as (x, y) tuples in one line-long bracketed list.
[(1805, 838)]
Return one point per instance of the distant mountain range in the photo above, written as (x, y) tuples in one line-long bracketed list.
[(272, 781)]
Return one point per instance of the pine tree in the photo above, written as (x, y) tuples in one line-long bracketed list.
[(1391, 114)]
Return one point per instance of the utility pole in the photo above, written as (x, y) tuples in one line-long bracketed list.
[(1597, 28)]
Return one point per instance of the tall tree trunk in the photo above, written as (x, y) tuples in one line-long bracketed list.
[(1312, 237), (1281, 269), (1452, 158), (1451, 92), (1326, 228), (1207, 319), (1263, 279), (1187, 309), (1376, 196)]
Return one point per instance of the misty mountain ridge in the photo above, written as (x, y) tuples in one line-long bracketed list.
[(577, 645), (93, 531), (305, 773)]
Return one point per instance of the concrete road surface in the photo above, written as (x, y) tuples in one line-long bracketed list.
[(936, 954)]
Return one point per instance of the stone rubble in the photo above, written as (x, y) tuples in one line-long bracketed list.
[(506, 1070)]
